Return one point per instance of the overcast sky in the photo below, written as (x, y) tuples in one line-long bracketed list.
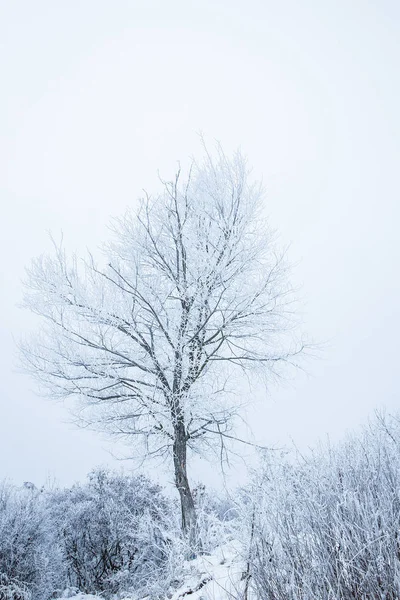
[(97, 96)]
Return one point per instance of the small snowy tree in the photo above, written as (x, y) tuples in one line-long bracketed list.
[(191, 289)]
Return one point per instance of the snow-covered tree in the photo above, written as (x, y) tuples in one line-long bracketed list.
[(191, 289)]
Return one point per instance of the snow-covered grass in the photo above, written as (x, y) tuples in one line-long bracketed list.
[(326, 526)]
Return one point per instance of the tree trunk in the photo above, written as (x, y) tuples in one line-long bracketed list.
[(189, 517)]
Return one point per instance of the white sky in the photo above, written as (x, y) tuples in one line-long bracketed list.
[(99, 95)]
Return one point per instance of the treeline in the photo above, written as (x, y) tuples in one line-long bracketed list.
[(317, 527)]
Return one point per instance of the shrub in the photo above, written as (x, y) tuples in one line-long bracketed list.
[(113, 532), (28, 569)]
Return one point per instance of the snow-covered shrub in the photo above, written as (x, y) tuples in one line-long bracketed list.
[(29, 563), (115, 533), (327, 526)]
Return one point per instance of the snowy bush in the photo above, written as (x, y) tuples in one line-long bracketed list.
[(114, 536), (115, 532), (29, 563), (328, 526)]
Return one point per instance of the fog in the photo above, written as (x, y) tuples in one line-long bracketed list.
[(99, 97)]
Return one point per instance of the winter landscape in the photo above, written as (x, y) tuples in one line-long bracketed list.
[(200, 301)]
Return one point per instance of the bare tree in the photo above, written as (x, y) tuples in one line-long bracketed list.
[(192, 288)]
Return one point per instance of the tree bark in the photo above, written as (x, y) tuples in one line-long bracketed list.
[(189, 517)]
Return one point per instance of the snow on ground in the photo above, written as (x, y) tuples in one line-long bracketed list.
[(214, 577), (218, 576)]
